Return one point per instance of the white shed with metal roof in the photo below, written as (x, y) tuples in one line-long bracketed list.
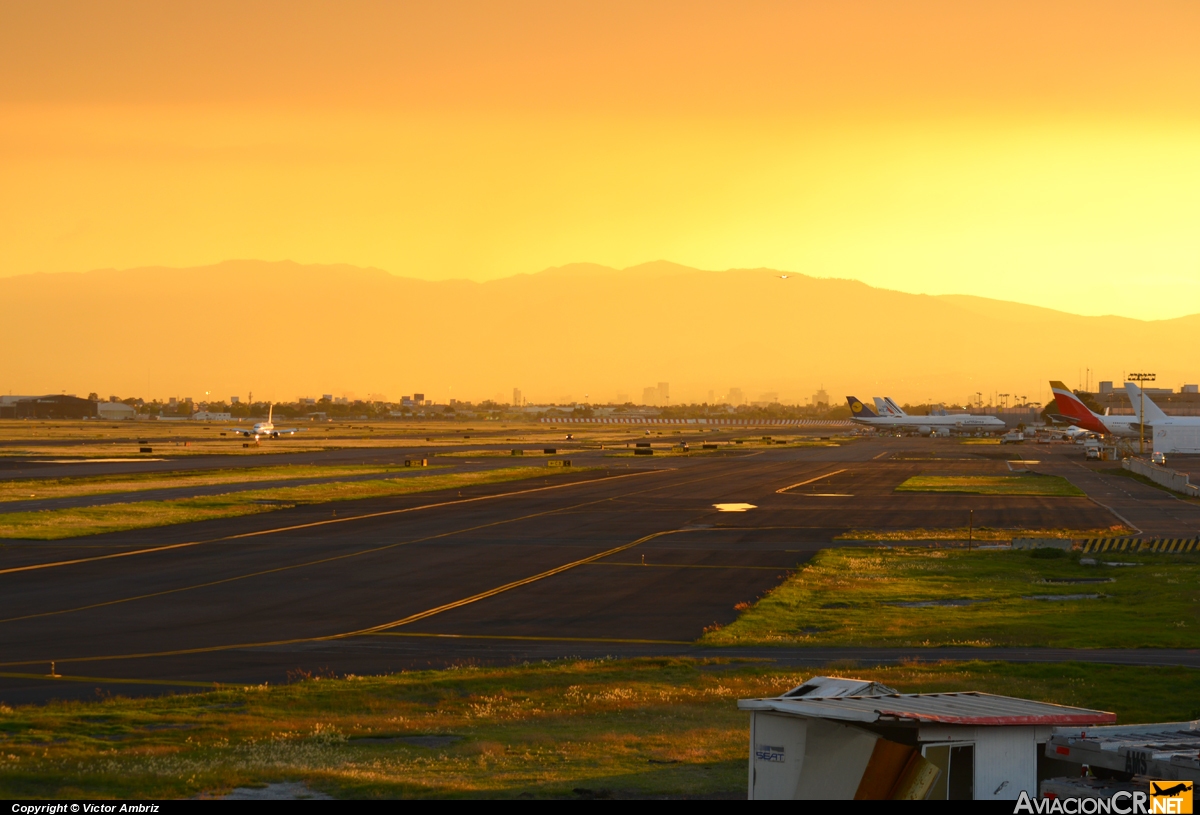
[(901, 745)]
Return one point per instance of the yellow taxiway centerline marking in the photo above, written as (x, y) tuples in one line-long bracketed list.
[(111, 680), (277, 569), (412, 618), (531, 639), (689, 566), (809, 481), (242, 535)]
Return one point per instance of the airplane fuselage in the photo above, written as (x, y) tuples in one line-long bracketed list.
[(260, 429), (964, 421)]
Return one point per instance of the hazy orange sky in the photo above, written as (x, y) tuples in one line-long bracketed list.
[(1046, 152)]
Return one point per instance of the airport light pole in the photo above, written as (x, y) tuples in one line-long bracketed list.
[(1141, 379)]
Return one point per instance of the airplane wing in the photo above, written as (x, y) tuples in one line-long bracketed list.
[(287, 430)]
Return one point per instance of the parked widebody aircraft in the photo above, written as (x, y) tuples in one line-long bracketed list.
[(886, 407), (1072, 410), (896, 418), (266, 428), (1153, 414), (1171, 434)]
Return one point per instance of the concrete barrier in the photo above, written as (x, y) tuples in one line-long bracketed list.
[(1171, 479), (1169, 546)]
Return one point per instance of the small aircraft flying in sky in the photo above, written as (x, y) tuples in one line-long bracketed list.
[(266, 428)]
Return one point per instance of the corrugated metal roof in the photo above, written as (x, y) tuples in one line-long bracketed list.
[(966, 708), (829, 686)]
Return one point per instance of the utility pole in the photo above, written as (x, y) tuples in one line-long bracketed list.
[(1141, 379)]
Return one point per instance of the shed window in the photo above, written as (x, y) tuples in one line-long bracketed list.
[(956, 781)]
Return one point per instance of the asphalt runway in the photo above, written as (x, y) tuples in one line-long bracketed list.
[(629, 559), (1151, 511)]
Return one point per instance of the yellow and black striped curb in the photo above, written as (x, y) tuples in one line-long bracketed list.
[(1156, 545)]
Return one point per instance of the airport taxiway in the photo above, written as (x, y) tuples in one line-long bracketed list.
[(631, 558)]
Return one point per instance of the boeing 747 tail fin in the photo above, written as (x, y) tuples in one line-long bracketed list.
[(860, 411), (1079, 413), (1153, 413)]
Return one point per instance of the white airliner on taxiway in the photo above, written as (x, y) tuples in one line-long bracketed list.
[(894, 417), (266, 428)]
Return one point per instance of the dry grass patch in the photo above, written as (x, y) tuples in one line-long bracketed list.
[(55, 524), (28, 489), (651, 727)]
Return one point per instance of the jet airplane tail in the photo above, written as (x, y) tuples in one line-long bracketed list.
[(1074, 410), (858, 410), (1152, 412)]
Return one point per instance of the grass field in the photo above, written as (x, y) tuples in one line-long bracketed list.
[(981, 533), (1052, 485), (101, 485), (100, 439), (932, 597), (566, 729), (68, 523), (492, 454)]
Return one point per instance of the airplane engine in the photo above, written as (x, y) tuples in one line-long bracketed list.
[(925, 430)]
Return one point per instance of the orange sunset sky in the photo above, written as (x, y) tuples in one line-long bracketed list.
[(1044, 152)]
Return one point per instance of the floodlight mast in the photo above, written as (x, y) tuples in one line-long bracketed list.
[(1141, 379)]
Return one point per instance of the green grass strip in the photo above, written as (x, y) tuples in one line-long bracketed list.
[(1024, 484), (55, 524), (939, 597), (45, 488)]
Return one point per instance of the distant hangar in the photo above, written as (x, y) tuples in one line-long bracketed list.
[(46, 407)]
